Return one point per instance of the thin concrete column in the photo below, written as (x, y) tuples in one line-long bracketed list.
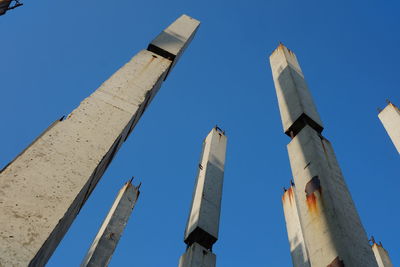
[(381, 255), (332, 230), (44, 188), (390, 118), (298, 249), (203, 222), (106, 240)]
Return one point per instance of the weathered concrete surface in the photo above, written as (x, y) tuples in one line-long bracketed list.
[(390, 118), (171, 42), (298, 249), (381, 255), (105, 242), (203, 222), (329, 220), (332, 230), (295, 101), (197, 256), (43, 189)]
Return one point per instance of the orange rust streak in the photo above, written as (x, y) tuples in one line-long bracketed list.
[(312, 203), (284, 196), (290, 192)]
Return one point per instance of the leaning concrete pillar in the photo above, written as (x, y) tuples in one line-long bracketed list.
[(44, 188), (106, 240), (203, 222), (332, 230), (390, 118)]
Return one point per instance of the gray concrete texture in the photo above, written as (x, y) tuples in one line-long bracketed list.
[(203, 222), (390, 118), (294, 98), (197, 256), (332, 230), (298, 249), (106, 240), (330, 223), (44, 188), (381, 255)]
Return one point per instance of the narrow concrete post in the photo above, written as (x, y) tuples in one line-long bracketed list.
[(197, 256), (44, 188), (106, 240), (329, 222), (203, 222), (298, 249), (390, 118), (381, 255)]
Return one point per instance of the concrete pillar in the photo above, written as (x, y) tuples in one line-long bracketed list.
[(390, 118), (296, 105), (197, 256), (43, 189), (203, 222), (332, 230), (298, 249), (106, 240), (381, 255)]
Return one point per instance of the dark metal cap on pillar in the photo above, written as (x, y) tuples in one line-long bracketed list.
[(172, 42)]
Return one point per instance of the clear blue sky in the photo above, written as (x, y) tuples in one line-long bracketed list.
[(55, 53)]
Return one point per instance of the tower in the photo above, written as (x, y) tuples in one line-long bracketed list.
[(46, 185), (106, 240), (390, 118), (332, 230), (203, 221)]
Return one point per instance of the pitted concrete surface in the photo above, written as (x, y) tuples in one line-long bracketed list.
[(43, 190)]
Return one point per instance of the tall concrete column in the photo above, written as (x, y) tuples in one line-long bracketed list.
[(44, 188), (381, 255), (390, 118), (106, 240), (203, 222), (331, 227)]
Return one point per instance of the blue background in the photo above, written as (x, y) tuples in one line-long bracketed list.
[(56, 53)]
